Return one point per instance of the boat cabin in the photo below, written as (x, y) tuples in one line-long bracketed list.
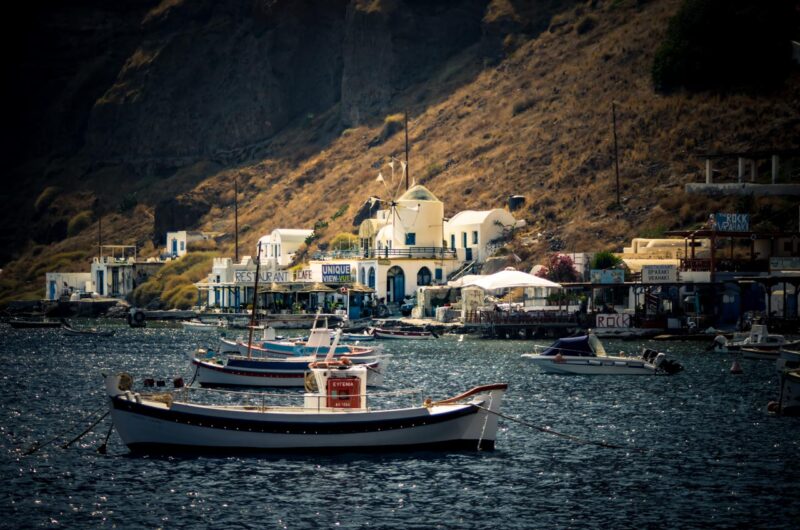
[(341, 387)]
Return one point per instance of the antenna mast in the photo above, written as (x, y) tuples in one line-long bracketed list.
[(406, 168), (236, 218)]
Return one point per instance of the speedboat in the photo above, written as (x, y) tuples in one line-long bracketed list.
[(585, 355), (382, 333), (758, 338), (336, 414)]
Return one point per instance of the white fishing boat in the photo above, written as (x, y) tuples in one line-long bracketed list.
[(760, 354), (358, 337), (318, 342), (585, 355), (67, 328), (382, 333), (757, 338), (338, 415)]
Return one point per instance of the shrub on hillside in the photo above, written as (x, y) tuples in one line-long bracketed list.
[(391, 125), (344, 241), (725, 44), (605, 260), (78, 222), (45, 198)]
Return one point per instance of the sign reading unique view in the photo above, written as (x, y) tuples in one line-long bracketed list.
[(732, 222), (607, 276), (336, 273), (659, 274)]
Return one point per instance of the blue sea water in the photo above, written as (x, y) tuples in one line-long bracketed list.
[(712, 455)]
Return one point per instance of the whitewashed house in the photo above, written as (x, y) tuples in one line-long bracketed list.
[(58, 284), (471, 233), (279, 247), (178, 242)]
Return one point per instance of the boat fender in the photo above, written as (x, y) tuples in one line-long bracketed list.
[(125, 382), (428, 403), (178, 382), (138, 317), (773, 407), (720, 342), (161, 382), (138, 398), (149, 382), (128, 395), (310, 382)]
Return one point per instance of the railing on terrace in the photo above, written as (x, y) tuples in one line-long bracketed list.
[(520, 318), (411, 252), (725, 265)]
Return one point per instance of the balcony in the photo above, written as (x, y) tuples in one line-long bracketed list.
[(388, 253)]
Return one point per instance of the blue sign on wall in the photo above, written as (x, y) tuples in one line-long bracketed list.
[(608, 276), (732, 222), (336, 274)]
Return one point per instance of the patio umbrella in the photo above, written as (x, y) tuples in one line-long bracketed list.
[(316, 287), (275, 288), (360, 288), (508, 278)]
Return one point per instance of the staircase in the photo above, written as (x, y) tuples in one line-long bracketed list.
[(467, 268)]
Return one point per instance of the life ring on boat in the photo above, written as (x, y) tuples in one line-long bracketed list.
[(310, 382)]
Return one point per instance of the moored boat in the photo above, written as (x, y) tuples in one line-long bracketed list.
[(30, 324), (338, 415), (585, 355), (758, 338), (788, 403), (383, 333), (319, 341), (788, 360), (199, 324), (760, 354), (69, 330)]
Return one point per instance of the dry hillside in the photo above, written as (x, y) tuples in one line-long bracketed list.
[(536, 122)]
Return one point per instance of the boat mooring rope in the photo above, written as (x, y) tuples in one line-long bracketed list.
[(570, 437), (89, 428), (35, 447)]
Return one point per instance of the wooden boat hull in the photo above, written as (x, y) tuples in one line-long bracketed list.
[(89, 332), (148, 425), (403, 335), (272, 373), (26, 324), (759, 354)]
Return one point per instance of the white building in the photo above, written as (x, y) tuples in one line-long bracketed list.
[(279, 247), (58, 284), (178, 242), (472, 233)]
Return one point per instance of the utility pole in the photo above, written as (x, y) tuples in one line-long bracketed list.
[(100, 234), (616, 152), (236, 218), (407, 149)]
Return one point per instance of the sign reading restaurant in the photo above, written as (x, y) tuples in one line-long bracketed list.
[(248, 277), (659, 274), (339, 273)]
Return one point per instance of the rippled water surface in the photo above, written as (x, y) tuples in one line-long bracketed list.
[(713, 457)]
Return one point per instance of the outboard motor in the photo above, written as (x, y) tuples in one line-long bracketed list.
[(649, 355), (665, 365)]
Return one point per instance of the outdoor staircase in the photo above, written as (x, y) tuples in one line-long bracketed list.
[(467, 268)]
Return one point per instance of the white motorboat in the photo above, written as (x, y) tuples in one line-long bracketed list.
[(757, 338), (760, 354), (358, 337), (585, 355), (338, 415)]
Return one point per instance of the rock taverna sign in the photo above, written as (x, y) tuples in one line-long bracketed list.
[(732, 222), (617, 320), (659, 274)]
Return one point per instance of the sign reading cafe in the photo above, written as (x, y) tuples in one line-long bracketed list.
[(336, 273)]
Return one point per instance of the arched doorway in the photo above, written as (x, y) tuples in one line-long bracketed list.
[(362, 275), (395, 285), (424, 276), (371, 278)]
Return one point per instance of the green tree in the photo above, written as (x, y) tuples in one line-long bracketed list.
[(606, 260)]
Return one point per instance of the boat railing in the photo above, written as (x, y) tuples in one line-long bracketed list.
[(264, 401)]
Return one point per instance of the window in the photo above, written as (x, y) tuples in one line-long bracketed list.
[(411, 239), (183, 246), (424, 276), (474, 237), (452, 241), (361, 275), (217, 278), (371, 278), (464, 239), (438, 274)]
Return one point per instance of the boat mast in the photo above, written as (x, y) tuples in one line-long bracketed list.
[(255, 302), (406, 168), (236, 218)]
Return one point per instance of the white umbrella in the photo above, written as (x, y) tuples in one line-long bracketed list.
[(509, 278)]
